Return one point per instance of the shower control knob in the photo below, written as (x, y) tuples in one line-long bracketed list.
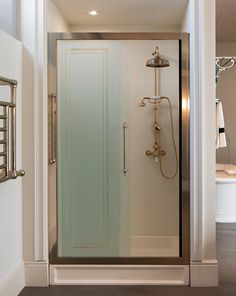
[(157, 127), (163, 153)]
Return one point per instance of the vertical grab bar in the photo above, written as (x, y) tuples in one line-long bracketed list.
[(125, 127), (52, 98)]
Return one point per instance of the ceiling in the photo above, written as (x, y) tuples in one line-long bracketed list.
[(226, 20), (123, 12)]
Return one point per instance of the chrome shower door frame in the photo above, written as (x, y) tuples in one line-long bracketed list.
[(184, 195)]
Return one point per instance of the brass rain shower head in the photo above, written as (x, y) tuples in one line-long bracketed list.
[(157, 61)]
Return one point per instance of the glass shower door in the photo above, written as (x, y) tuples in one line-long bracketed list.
[(88, 165), (118, 190)]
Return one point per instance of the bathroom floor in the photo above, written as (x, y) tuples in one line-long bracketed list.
[(226, 254)]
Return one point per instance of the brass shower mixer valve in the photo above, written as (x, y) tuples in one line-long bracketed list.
[(152, 100), (156, 152)]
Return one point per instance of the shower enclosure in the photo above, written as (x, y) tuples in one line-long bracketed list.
[(118, 173)]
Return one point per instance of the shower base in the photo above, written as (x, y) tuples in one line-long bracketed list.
[(119, 275)]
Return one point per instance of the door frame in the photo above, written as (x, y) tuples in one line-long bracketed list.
[(184, 160)]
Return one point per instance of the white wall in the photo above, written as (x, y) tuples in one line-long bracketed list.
[(208, 154), (11, 263), (225, 90), (8, 16), (55, 20), (26, 35)]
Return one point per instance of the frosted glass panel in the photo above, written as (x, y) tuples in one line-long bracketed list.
[(101, 211), (88, 150)]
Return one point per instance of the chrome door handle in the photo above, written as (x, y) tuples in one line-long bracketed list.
[(125, 127), (52, 158)]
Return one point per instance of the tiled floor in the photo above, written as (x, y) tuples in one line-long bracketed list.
[(226, 253)]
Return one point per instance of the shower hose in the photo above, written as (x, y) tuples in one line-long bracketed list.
[(174, 145)]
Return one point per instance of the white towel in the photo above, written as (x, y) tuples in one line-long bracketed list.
[(220, 126)]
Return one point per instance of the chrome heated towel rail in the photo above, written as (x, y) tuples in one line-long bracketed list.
[(8, 134)]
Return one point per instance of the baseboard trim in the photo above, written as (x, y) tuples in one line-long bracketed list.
[(119, 275), (14, 282), (204, 273), (36, 274)]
